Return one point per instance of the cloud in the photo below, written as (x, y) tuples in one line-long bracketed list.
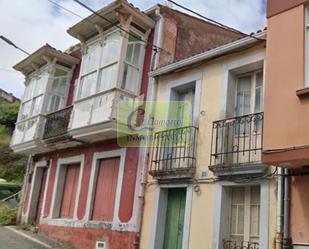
[(32, 23)]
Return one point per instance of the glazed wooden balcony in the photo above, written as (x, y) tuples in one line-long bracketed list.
[(237, 145), (94, 118), (174, 153)]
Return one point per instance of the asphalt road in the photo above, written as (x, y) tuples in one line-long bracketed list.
[(11, 240)]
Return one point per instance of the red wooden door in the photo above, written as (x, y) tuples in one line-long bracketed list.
[(41, 195), (69, 191), (105, 189)]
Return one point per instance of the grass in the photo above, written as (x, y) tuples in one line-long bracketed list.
[(8, 215)]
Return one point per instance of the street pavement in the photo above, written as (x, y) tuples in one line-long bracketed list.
[(12, 240)]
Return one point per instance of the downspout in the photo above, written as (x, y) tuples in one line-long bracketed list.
[(287, 241), (151, 96), (279, 234), (24, 189)]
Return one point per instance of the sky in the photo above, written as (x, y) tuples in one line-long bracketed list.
[(33, 23)]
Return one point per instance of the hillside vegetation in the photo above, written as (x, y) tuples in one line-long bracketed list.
[(12, 166)]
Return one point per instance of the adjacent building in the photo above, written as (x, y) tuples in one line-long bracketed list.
[(8, 97), (207, 184), (286, 122), (81, 186)]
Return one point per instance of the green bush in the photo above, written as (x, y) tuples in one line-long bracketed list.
[(8, 215)]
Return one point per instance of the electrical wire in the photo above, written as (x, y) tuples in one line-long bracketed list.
[(8, 70), (215, 22), (114, 24), (69, 11), (6, 40)]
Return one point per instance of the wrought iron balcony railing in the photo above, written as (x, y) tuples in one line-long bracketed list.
[(174, 152), (237, 140), (57, 123), (236, 244)]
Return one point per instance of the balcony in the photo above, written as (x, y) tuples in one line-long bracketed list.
[(27, 134), (174, 153), (238, 244), (56, 134), (237, 146), (94, 118)]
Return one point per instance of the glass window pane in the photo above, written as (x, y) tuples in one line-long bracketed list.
[(60, 72), (243, 100), (136, 55), (91, 59), (130, 78), (29, 89), (134, 37), (130, 49), (255, 195), (54, 103), (238, 195), (241, 219), (255, 220), (111, 48), (88, 85), (258, 107), (41, 83), (25, 111), (108, 77), (37, 105), (259, 79), (233, 220)]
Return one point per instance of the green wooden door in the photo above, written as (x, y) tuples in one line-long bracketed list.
[(174, 218)]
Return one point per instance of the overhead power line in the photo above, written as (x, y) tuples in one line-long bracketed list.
[(13, 44), (66, 9), (215, 22), (8, 70), (155, 47)]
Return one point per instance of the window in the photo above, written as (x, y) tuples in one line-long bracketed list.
[(58, 90), (33, 95), (132, 64), (249, 99), (100, 65), (249, 93), (245, 213)]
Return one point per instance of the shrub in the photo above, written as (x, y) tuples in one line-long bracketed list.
[(8, 215)]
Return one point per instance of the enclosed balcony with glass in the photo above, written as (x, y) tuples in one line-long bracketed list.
[(111, 69), (47, 76)]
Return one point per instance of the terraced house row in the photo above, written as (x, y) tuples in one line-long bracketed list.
[(228, 175)]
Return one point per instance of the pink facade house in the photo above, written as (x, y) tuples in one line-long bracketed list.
[(81, 187)]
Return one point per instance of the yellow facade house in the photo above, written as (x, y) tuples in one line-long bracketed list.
[(211, 191)]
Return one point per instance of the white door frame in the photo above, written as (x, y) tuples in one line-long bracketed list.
[(220, 218), (158, 220)]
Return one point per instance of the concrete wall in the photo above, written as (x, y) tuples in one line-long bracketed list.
[(300, 209), (275, 7), (204, 212), (184, 36), (286, 114), (71, 231)]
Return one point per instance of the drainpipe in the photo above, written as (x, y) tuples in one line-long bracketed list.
[(24, 188), (279, 234), (151, 96), (287, 241)]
